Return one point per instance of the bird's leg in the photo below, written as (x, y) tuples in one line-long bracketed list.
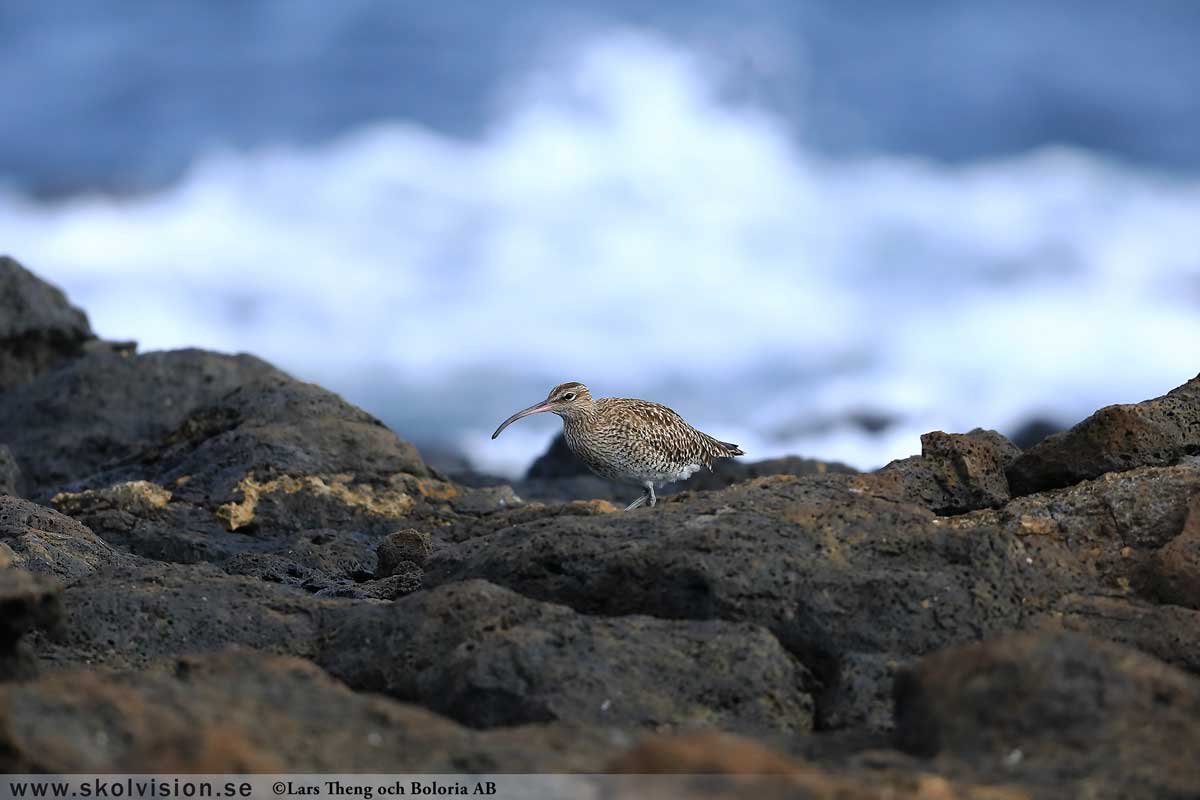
[(646, 495)]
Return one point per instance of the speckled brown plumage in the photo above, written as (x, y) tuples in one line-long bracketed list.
[(629, 441)]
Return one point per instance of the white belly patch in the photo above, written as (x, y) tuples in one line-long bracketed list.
[(681, 474)]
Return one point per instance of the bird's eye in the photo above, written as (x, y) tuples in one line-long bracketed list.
[(568, 397)]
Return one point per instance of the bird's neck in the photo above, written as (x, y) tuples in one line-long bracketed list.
[(578, 415)]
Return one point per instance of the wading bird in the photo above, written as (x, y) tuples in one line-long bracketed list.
[(629, 441)]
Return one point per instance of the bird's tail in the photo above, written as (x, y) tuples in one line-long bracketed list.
[(730, 448), (718, 449)]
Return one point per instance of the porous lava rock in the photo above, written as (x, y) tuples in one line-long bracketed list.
[(1057, 712), (39, 328), (955, 473), (833, 572), (45, 542), (1173, 574), (106, 408), (28, 602), (1153, 433), (487, 656), (237, 711)]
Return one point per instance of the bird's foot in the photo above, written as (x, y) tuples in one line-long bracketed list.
[(639, 502), (647, 495)]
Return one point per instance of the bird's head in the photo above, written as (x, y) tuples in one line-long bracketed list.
[(568, 400)]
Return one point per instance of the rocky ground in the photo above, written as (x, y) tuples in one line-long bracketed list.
[(207, 565)]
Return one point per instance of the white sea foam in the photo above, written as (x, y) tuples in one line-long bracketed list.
[(620, 225)]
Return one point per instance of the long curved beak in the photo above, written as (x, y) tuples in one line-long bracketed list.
[(533, 409)]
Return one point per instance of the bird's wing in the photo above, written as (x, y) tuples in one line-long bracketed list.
[(642, 418), (644, 423)]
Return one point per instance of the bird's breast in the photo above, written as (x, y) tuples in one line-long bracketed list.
[(617, 454)]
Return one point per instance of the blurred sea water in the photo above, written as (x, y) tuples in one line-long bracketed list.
[(677, 212)]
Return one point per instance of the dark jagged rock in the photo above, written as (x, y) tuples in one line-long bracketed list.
[(1152, 433), (485, 500), (28, 602), (407, 580), (239, 712), (280, 452), (104, 408), (1109, 528), (858, 692), (829, 570), (487, 657), (142, 518), (48, 543), (268, 462), (344, 555), (1173, 575), (279, 569), (39, 328), (142, 612), (956, 472), (463, 528), (1166, 632), (148, 520), (286, 427), (274, 568), (1061, 712), (400, 569), (408, 546)]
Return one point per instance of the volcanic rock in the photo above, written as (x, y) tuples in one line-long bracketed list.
[(1056, 711), (239, 711), (486, 657), (46, 542), (141, 612), (1174, 571), (1152, 433), (27, 602), (955, 473), (1163, 631), (39, 328), (408, 546), (831, 571), (105, 408), (1109, 528)]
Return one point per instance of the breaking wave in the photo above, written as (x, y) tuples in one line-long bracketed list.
[(621, 224)]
